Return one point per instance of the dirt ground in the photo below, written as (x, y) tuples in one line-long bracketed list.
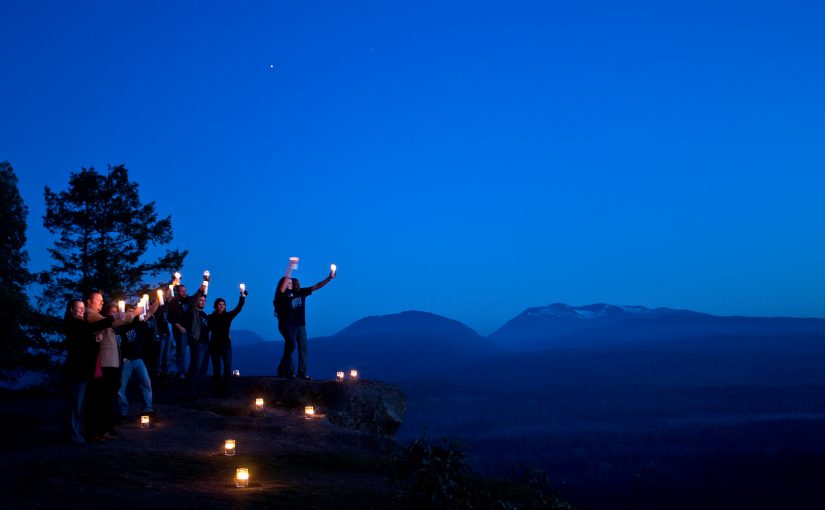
[(178, 462)]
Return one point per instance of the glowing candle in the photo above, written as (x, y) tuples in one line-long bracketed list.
[(121, 306), (259, 403), (177, 278), (205, 287), (309, 412), (144, 422), (206, 275), (171, 289), (229, 447), (243, 287), (160, 296), (242, 477), (339, 376), (333, 268), (353, 374), (294, 263), (236, 373)]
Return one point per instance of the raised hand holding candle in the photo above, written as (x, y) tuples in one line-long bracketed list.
[(243, 289), (332, 269), (177, 278), (160, 296), (293, 261), (206, 275)]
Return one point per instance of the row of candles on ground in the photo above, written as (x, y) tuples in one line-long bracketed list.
[(309, 411), (242, 474), (339, 376)]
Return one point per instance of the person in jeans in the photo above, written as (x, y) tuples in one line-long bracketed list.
[(220, 343), (163, 345), (81, 357), (136, 339), (181, 309), (198, 338), (290, 308)]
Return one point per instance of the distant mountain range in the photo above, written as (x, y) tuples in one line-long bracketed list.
[(414, 342), (559, 325)]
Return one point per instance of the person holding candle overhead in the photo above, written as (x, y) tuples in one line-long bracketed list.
[(162, 322), (136, 339), (198, 337), (290, 309), (180, 317), (220, 343)]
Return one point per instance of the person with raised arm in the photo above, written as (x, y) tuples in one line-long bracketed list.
[(220, 343), (290, 309)]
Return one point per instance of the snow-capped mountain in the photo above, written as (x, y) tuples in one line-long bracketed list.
[(559, 324)]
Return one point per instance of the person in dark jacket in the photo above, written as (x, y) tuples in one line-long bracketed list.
[(220, 343), (198, 337), (81, 358)]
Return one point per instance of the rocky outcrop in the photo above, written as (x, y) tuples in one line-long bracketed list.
[(373, 407)]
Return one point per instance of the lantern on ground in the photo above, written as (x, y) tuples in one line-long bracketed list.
[(309, 412), (242, 477), (144, 421), (259, 403), (229, 447), (339, 376), (353, 375)]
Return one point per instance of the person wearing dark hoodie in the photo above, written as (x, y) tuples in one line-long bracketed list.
[(220, 343), (136, 339)]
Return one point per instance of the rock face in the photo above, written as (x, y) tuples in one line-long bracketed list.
[(373, 407)]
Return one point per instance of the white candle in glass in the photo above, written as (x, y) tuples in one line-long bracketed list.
[(160, 296), (333, 268), (242, 477)]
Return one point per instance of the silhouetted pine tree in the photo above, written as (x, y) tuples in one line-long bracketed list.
[(104, 232), (15, 310)]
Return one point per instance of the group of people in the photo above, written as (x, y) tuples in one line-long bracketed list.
[(108, 347)]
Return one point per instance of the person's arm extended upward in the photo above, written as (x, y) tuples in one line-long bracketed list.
[(322, 282)]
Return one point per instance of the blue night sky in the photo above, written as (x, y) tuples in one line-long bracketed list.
[(470, 159)]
